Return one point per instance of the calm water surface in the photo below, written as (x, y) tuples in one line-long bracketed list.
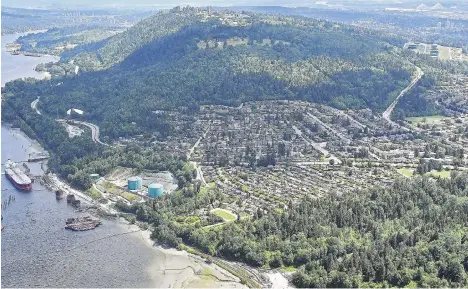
[(36, 250), (20, 66)]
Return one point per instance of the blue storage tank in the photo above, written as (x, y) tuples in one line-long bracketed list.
[(134, 183), (155, 190), (94, 177)]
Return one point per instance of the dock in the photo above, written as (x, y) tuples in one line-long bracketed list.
[(35, 157)]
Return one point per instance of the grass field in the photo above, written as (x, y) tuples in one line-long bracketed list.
[(225, 215), (406, 172), (110, 188), (129, 196), (94, 193), (443, 174), (416, 120)]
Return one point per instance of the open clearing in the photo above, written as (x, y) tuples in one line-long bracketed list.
[(419, 119), (94, 193), (442, 174), (406, 172), (224, 214), (444, 52)]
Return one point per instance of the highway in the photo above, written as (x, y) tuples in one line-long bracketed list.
[(94, 129), (386, 114)]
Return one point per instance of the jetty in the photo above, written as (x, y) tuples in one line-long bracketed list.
[(35, 157), (82, 224)]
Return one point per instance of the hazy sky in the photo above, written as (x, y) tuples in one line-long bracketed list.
[(164, 3), (169, 3)]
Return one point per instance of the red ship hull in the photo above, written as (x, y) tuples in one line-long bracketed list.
[(27, 187)]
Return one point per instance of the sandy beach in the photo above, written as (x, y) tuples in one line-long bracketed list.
[(179, 269)]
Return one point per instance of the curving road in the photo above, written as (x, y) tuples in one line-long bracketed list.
[(34, 105), (94, 129)]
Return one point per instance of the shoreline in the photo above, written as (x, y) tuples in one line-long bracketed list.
[(43, 58), (185, 270), (173, 268)]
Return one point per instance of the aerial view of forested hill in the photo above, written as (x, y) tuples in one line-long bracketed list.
[(188, 58), (331, 153)]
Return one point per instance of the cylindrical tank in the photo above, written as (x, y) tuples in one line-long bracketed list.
[(155, 190), (134, 183), (94, 177)]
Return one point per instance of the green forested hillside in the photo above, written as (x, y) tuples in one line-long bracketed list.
[(188, 58), (413, 234), (119, 47), (58, 40)]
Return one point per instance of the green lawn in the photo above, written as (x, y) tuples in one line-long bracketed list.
[(110, 188), (129, 196), (225, 215), (113, 189), (443, 174), (406, 172), (94, 193), (416, 120)]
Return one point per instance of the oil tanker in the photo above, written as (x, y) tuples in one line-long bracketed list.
[(17, 177)]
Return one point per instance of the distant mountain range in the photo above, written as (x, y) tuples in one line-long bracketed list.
[(437, 6)]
